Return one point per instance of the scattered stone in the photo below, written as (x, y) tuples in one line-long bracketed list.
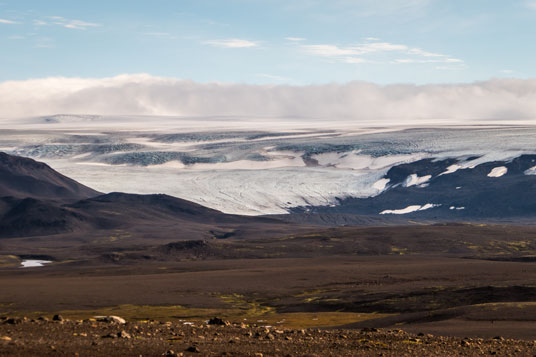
[(123, 334), (110, 335), (171, 353), (193, 349), (5, 338), (13, 321), (111, 319), (270, 336), (57, 318), (218, 321)]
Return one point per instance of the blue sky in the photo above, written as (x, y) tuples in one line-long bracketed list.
[(296, 42)]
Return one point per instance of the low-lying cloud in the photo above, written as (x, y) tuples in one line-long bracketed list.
[(497, 100)]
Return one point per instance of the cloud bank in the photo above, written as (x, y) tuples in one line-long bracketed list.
[(497, 100)]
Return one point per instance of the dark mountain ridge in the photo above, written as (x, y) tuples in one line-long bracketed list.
[(472, 193), (23, 177), (35, 200)]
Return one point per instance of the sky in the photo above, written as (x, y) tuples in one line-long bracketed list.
[(277, 42)]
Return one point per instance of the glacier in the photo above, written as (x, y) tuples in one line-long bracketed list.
[(251, 166)]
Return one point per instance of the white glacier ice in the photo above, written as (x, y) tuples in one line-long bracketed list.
[(498, 171), (410, 209), (415, 180)]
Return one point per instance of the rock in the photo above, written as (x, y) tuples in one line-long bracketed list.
[(110, 335), (218, 321), (465, 343), (13, 321), (171, 353), (270, 336), (57, 318), (193, 349), (123, 334), (111, 319), (5, 338)]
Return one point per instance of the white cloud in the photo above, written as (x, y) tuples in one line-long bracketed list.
[(295, 39), (8, 22), (417, 60), (419, 52), (70, 24), (355, 53), (494, 101), (329, 50), (232, 43), (531, 4)]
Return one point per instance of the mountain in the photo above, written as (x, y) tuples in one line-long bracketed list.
[(35, 200), (449, 189), (26, 178)]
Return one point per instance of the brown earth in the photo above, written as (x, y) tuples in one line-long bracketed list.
[(20, 337)]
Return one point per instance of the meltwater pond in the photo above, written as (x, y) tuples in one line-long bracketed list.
[(33, 263)]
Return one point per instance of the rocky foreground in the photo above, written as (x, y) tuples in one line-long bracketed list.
[(113, 336)]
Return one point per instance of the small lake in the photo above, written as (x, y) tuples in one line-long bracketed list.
[(33, 263)]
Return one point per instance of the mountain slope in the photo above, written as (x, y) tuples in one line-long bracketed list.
[(455, 190), (35, 200), (23, 177)]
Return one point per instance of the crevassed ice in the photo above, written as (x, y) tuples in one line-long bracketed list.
[(498, 171), (410, 209)]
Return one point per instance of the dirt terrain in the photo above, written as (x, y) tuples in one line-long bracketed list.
[(150, 258), (158, 338)]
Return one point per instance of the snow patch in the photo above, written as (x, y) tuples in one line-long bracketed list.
[(33, 263), (498, 171), (380, 185), (451, 169), (410, 209), (531, 171), (415, 180), (456, 208)]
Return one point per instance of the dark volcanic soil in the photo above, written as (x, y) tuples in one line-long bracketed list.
[(156, 257), (151, 338)]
